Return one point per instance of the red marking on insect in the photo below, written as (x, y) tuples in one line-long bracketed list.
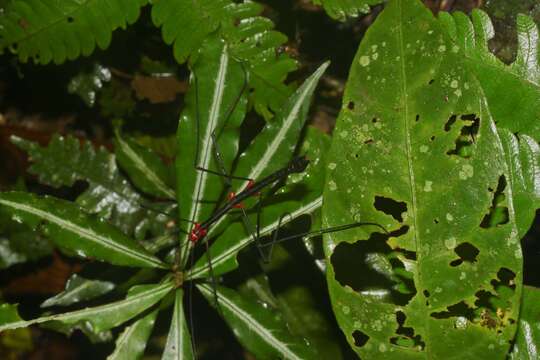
[(197, 233), (231, 197), (250, 184)]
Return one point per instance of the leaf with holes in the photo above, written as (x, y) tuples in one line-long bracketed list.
[(416, 150)]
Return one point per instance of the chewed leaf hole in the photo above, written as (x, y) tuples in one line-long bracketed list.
[(461, 310), (450, 122), (405, 335), (466, 252), (373, 269), (350, 105), (506, 277), (498, 212), (390, 207), (464, 143), (360, 339)]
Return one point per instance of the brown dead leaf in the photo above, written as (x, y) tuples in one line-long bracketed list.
[(48, 280), (157, 89)]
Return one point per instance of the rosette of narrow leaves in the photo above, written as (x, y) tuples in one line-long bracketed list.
[(186, 24), (420, 149), (49, 30), (208, 138)]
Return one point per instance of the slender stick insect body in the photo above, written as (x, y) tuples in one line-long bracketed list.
[(296, 165)]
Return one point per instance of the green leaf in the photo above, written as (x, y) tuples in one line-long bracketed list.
[(300, 305), (300, 196), (19, 244), (341, 9), (518, 109), (215, 107), (132, 342), (528, 335), (65, 160), (274, 145), (250, 37), (257, 327), (102, 317), (523, 159), (70, 228), (144, 167), (416, 150), (178, 340), (79, 289), (49, 30)]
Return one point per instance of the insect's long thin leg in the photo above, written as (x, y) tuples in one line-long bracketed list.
[(275, 236), (311, 234), (190, 304), (212, 276), (249, 228)]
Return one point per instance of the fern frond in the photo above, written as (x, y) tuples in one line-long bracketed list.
[(342, 9), (519, 110), (65, 161), (52, 30), (251, 38)]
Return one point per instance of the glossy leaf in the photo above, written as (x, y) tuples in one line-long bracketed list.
[(79, 289), (19, 244), (48, 30), (215, 107), (301, 306), (102, 317), (257, 327), (416, 150), (144, 167), (526, 346), (132, 342), (518, 109), (341, 9), (178, 345), (110, 195), (70, 228), (523, 160)]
